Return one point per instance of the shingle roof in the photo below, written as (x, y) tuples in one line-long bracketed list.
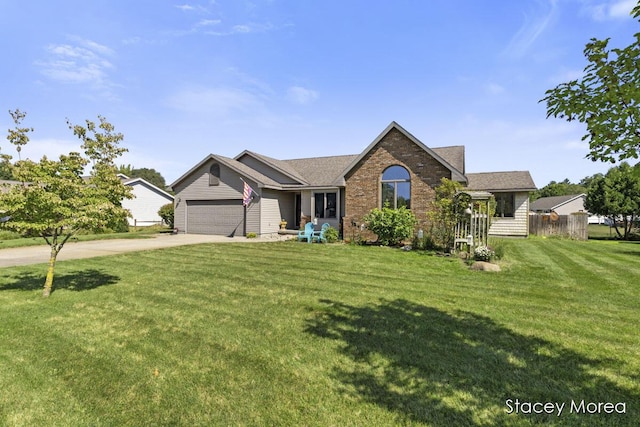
[(552, 202), (453, 155), (281, 165), (322, 171), (501, 181)]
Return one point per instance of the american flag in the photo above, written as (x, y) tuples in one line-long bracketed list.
[(246, 194)]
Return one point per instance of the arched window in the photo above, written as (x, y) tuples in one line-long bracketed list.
[(214, 174), (396, 187)]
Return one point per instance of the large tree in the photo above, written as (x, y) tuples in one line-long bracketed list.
[(150, 175), (55, 200), (616, 195), (606, 99), (563, 188)]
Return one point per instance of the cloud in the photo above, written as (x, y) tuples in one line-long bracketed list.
[(535, 23), (301, 96), (84, 62), (213, 101), (609, 10)]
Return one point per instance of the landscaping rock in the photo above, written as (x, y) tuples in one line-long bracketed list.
[(484, 266)]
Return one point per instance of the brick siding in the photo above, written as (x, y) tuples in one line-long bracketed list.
[(363, 182)]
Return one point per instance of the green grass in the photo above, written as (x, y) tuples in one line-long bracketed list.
[(296, 334)]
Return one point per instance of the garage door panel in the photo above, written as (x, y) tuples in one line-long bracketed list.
[(214, 216)]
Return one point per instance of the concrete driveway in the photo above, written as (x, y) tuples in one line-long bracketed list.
[(73, 250)]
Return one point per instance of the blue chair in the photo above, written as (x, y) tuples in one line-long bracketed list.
[(319, 235), (307, 233)]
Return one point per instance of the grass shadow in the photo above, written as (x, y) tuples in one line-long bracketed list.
[(82, 280), (459, 368)]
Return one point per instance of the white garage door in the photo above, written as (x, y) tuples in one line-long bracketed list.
[(214, 216)]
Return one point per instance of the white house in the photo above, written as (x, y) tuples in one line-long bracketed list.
[(146, 202)]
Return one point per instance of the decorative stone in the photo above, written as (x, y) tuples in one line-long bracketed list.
[(484, 266)]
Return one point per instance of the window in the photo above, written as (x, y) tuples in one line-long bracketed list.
[(214, 174), (505, 205), (326, 205), (396, 187)]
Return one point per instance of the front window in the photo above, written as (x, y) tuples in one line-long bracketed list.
[(396, 187), (326, 205), (505, 205)]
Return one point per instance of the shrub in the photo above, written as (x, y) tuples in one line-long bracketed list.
[(331, 235), (483, 253), (392, 226), (251, 235), (166, 213)]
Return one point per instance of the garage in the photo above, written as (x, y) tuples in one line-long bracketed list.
[(220, 217)]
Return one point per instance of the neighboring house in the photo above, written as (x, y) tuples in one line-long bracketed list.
[(565, 205), (396, 168), (146, 202)]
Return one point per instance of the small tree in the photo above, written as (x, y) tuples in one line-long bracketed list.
[(445, 214), (166, 213), (392, 226), (54, 200)]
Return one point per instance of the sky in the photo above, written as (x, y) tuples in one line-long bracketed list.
[(301, 78)]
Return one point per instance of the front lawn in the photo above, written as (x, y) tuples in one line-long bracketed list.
[(297, 334)]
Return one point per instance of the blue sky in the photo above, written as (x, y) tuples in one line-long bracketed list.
[(302, 78)]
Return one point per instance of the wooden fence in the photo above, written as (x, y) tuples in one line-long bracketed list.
[(573, 226)]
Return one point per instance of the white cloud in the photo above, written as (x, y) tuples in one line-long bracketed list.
[(302, 96), (607, 10), (215, 101), (535, 23), (85, 62)]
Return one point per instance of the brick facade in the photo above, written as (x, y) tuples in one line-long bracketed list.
[(363, 182)]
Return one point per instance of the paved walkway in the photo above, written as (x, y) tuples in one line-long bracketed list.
[(74, 250)]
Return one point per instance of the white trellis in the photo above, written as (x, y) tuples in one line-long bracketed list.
[(472, 228)]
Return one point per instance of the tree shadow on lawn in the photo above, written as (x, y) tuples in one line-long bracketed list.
[(82, 280), (430, 366)]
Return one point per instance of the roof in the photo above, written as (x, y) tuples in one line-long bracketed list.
[(133, 181), (553, 202), (496, 182), (456, 174), (279, 165), (322, 171)]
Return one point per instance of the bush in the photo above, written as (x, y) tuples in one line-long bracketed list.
[(331, 235), (166, 213), (251, 235), (392, 226)]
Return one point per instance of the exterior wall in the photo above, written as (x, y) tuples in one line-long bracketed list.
[(363, 182), (516, 226), (266, 170), (196, 187), (145, 205), (275, 206), (571, 207)]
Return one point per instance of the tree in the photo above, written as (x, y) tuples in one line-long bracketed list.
[(606, 99), (167, 214), (445, 214), (563, 188), (616, 195), (54, 200), (152, 176)]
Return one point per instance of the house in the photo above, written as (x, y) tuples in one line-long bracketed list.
[(146, 202), (395, 169), (565, 205)]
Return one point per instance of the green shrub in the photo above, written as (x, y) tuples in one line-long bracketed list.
[(331, 235), (426, 243), (166, 213), (392, 226), (251, 235)]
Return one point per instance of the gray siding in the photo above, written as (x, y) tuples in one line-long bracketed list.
[(267, 170)]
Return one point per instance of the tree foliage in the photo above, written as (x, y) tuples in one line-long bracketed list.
[(445, 214), (616, 195), (54, 200), (606, 99), (150, 175), (562, 188), (392, 226), (166, 212)]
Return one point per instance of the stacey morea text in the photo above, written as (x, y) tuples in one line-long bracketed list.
[(517, 406)]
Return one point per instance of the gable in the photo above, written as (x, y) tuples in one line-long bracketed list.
[(402, 148)]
